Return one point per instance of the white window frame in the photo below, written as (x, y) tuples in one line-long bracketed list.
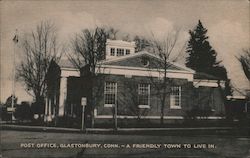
[(111, 52), (120, 52), (173, 97), (105, 92), (145, 106), (127, 51)]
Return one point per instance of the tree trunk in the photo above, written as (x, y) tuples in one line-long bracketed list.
[(92, 103), (39, 106), (162, 111), (164, 91)]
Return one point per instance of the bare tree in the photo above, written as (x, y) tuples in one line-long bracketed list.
[(165, 49), (39, 47), (141, 43), (245, 62), (112, 33), (131, 100), (89, 47)]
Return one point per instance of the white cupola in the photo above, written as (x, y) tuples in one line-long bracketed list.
[(117, 48)]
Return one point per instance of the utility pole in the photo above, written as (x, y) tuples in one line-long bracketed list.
[(116, 117), (15, 41), (83, 104), (116, 108)]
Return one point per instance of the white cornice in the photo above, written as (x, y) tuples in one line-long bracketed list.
[(120, 43), (236, 97), (144, 69), (69, 69), (208, 83), (66, 72), (134, 71)]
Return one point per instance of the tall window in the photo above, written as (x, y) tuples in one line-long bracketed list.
[(212, 100), (120, 52), (175, 97), (112, 51), (127, 51), (144, 95), (110, 92)]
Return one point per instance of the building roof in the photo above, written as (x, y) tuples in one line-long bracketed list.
[(136, 60), (205, 76), (133, 61)]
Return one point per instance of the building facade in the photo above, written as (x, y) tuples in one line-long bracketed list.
[(130, 86)]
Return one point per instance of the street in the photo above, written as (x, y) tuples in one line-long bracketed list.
[(22, 144)]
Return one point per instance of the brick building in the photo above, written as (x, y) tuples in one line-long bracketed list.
[(128, 87)]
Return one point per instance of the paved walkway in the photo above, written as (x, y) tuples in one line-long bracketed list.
[(60, 129)]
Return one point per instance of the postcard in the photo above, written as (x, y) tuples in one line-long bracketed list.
[(125, 78)]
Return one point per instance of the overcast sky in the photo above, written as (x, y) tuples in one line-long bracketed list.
[(227, 22)]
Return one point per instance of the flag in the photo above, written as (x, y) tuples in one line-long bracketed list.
[(15, 39)]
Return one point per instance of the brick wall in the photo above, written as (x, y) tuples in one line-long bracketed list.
[(127, 96)]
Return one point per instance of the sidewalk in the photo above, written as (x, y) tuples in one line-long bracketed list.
[(147, 131), (38, 128)]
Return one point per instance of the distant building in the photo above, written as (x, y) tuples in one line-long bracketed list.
[(238, 107), (126, 85)]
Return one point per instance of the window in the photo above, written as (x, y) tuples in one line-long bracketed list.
[(145, 61), (212, 100), (112, 51), (127, 51), (110, 92), (175, 97), (144, 95), (120, 52)]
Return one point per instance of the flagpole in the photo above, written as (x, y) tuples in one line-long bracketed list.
[(15, 40)]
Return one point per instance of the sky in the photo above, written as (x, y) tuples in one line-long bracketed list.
[(227, 22)]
